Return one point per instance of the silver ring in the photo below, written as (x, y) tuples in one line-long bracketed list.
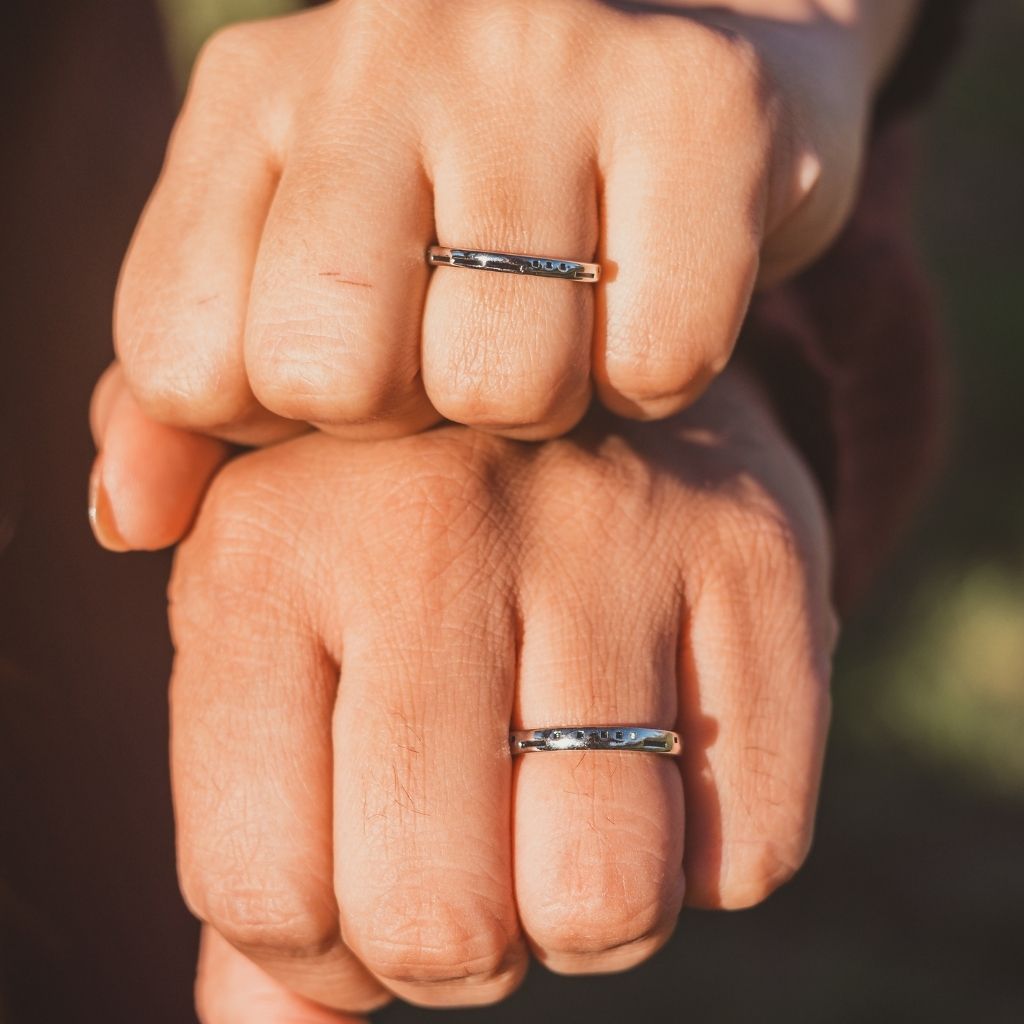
[(602, 737), (514, 263)]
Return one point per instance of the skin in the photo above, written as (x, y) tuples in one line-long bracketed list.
[(277, 277), (411, 599)]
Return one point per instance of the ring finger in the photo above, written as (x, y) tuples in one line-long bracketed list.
[(598, 835), (506, 352)]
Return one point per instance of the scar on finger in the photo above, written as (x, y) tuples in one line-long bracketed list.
[(335, 275)]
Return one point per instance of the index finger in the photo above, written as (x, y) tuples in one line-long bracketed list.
[(251, 700)]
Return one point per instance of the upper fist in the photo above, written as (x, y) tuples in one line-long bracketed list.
[(278, 277)]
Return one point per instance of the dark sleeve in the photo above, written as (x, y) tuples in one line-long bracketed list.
[(850, 350)]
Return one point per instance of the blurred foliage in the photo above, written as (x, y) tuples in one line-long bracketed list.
[(952, 684), (936, 662)]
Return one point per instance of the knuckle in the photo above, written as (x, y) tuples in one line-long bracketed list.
[(505, 43), (199, 394), (233, 556), (737, 65), (617, 905), (230, 51), (442, 508), (227, 524), (597, 923), (667, 355), (265, 924), (607, 496), (726, 57), (416, 937), (754, 531), (481, 402), (297, 371), (757, 870), (650, 375), (173, 379), (228, 94)]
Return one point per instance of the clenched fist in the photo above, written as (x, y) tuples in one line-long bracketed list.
[(358, 626), (278, 277)]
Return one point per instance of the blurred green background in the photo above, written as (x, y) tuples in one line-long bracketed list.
[(912, 904)]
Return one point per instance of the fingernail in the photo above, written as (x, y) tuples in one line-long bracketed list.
[(101, 515)]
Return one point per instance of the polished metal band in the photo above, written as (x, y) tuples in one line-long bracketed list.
[(514, 263), (603, 737)]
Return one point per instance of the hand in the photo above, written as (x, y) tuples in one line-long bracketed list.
[(278, 275), (372, 834)]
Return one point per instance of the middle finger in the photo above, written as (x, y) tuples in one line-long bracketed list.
[(423, 869), (598, 834)]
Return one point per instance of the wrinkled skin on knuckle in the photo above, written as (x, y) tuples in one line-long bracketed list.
[(616, 885), (504, 39), (482, 401), (439, 493), (372, 51), (780, 530), (301, 372), (748, 551), (244, 559), (265, 924), (233, 64), (607, 907), (434, 935), (647, 371), (363, 529), (759, 868), (771, 802), (513, 365), (764, 515), (592, 491), (148, 328), (198, 395), (608, 942)]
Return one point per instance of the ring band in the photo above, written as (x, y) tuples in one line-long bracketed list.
[(603, 737), (514, 263)]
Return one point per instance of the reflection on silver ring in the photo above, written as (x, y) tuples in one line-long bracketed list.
[(601, 737), (514, 263)]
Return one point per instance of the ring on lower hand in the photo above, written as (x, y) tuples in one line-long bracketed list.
[(602, 737)]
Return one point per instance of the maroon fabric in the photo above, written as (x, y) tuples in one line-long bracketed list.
[(851, 354), (850, 350)]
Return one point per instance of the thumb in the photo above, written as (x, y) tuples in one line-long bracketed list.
[(148, 479), (231, 989)]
